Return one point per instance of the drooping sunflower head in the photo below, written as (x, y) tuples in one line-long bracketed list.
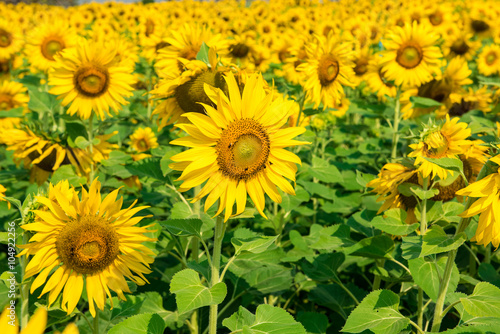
[(85, 241), (412, 56), (448, 140), (143, 139), (89, 78), (238, 147)]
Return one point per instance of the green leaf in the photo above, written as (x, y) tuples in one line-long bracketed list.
[(333, 237), (267, 319), (190, 294), (377, 247), (165, 161), (452, 164), (81, 142), (255, 245), (15, 202), (117, 158), (394, 223), (203, 53), (378, 312), (484, 301), (314, 323), (183, 227), (427, 275), (424, 194), (436, 241), (149, 167), (41, 102), (324, 267), (423, 102), (146, 323), (489, 274), (67, 172), (324, 171), (364, 178), (15, 112), (476, 329)]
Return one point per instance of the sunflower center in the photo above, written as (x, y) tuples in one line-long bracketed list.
[(448, 187), (239, 50), (491, 58), (436, 18), (243, 149), (91, 81), (436, 145), (161, 45), (87, 244), (142, 145), (150, 27), (189, 94), (409, 56), (361, 66), (51, 46), (328, 69), (479, 26), (460, 47), (5, 38), (6, 102)]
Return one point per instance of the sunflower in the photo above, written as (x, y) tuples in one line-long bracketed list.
[(85, 241), (377, 82), (89, 78), (184, 93), (46, 41), (487, 206), (445, 141), (460, 44), (386, 186), (488, 61), (463, 102), (2, 194), (11, 41), (143, 139), (412, 56), (239, 148), (12, 95), (328, 67)]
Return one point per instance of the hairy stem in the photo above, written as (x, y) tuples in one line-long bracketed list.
[(215, 269)]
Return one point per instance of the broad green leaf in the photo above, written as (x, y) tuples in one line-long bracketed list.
[(149, 167), (377, 247), (203, 53), (488, 273), (492, 328), (165, 161), (333, 237), (452, 164), (364, 178), (268, 319), (81, 142), (324, 171), (290, 202), (256, 244), (67, 172), (394, 223), (314, 323), (117, 158), (427, 275), (183, 227), (269, 279), (484, 301), (379, 313), (335, 298), (146, 323), (423, 102), (424, 194), (41, 102), (15, 202), (181, 210), (324, 267), (436, 241), (15, 112), (190, 294)]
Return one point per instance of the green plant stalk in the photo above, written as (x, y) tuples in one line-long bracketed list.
[(149, 72), (24, 288), (301, 107), (395, 127), (90, 133), (215, 270), (95, 328), (423, 211), (378, 279), (420, 310), (195, 243), (445, 282)]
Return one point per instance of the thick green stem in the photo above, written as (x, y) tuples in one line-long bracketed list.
[(420, 310), (195, 242), (215, 269), (395, 128), (25, 287), (95, 328), (378, 279), (423, 209), (301, 107), (90, 133)]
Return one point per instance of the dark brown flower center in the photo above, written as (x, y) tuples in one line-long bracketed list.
[(479, 26), (409, 56), (51, 46), (460, 47), (91, 81), (5, 38), (239, 50), (6, 102), (243, 149), (328, 69), (191, 93)]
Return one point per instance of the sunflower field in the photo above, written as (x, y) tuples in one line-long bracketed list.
[(281, 166)]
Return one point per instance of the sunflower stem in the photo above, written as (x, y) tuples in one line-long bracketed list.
[(420, 310), (24, 288), (90, 133), (215, 269), (395, 129), (195, 243), (95, 328), (301, 107), (423, 209)]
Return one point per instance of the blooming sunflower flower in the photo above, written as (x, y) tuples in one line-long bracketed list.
[(487, 206), (10, 39), (46, 41), (377, 81), (391, 176), (12, 95), (85, 242), (445, 141), (488, 61), (412, 56), (143, 139), (239, 148), (328, 67), (89, 78)]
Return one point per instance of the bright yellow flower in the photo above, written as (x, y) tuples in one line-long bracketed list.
[(85, 241), (143, 139), (488, 61), (239, 148)]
